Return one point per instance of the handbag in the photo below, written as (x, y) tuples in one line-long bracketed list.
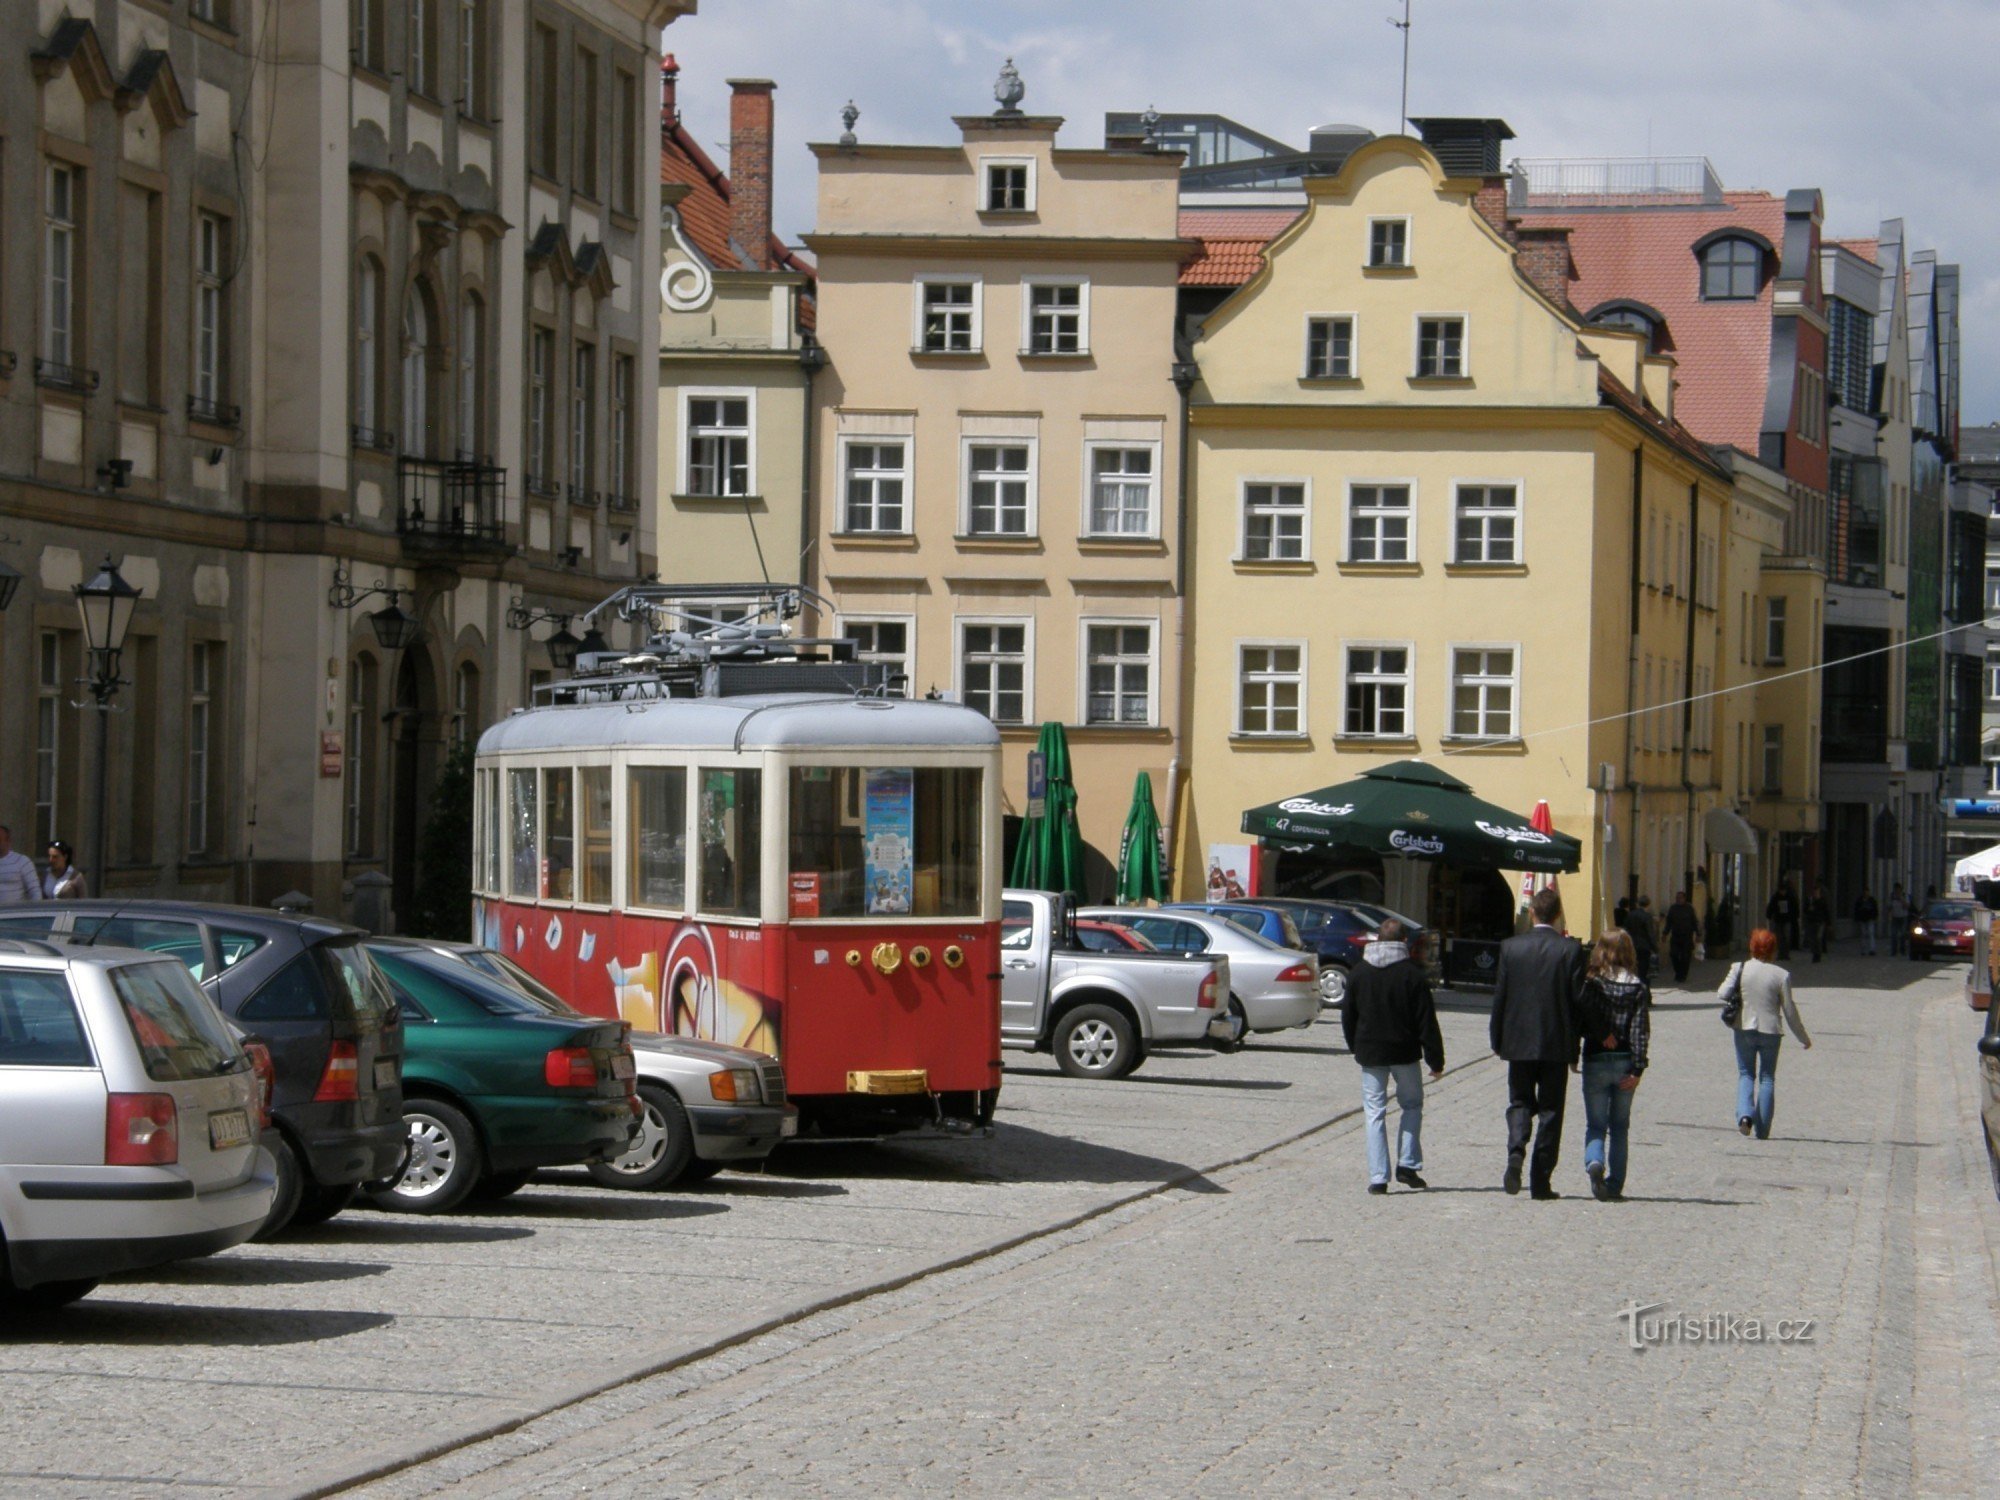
[(1732, 997)]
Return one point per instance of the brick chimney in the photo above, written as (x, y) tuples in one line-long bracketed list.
[(1542, 254), (750, 171), (670, 108)]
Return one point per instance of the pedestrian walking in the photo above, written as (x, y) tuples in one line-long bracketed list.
[(63, 881), (1533, 1028), (1683, 926), (1782, 912), (1391, 1025), (18, 880), (1645, 930), (1899, 920), (1762, 992), (1819, 921), (1865, 912), (1615, 1016)]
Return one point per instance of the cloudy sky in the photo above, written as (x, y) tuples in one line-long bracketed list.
[(1887, 106)]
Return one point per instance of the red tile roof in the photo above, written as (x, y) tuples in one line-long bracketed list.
[(1231, 242)]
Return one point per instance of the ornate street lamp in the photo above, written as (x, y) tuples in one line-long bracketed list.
[(594, 641), (105, 605), (563, 646), (393, 629)]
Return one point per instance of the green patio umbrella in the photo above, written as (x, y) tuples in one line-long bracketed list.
[(1139, 875), (1049, 856)]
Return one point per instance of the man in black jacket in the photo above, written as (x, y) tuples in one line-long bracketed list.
[(1534, 1029), (1390, 1022)]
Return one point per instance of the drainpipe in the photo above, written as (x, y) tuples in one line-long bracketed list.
[(1687, 687), (1632, 661), (812, 359), (1185, 373)]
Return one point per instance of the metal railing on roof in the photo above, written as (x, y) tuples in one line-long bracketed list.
[(1612, 181)]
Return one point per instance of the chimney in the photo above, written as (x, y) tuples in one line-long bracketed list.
[(670, 109), (1464, 147), (1542, 255), (750, 171)]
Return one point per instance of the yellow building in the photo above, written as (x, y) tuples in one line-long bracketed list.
[(997, 437), (1435, 516)]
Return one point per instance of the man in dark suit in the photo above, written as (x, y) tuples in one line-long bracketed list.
[(1534, 1029)]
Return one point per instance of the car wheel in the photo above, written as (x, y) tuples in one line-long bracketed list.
[(1242, 1028), (292, 1185), (497, 1185), (1332, 984), (661, 1154), (444, 1165), (47, 1297), (318, 1204), (1095, 1041)]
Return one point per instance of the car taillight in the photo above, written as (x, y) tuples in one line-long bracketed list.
[(141, 1130), (1205, 1000), (267, 1080), (1361, 939), (570, 1068), (340, 1080), (1298, 974)]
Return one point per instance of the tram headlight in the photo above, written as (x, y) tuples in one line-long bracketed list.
[(953, 956), (735, 1086)]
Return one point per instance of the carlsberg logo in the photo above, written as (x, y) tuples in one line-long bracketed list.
[(1323, 809), (1513, 835), (1416, 843)]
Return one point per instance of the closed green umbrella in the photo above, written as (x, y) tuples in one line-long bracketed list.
[(1140, 877), (1050, 854)]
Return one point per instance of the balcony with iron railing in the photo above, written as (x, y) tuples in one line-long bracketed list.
[(214, 413), (451, 505), (1612, 182), (622, 505), (60, 377)]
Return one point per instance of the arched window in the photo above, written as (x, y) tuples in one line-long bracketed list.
[(1625, 317), (471, 405), (1732, 270), (367, 346), (417, 336), (466, 722)]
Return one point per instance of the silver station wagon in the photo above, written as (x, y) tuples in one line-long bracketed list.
[(128, 1121)]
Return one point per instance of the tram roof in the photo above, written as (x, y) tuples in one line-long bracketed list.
[(770, 721)]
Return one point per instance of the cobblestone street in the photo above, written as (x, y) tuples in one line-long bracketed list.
[(1264, 1326)]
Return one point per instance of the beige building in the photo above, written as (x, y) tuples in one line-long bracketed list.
[(997, 438)]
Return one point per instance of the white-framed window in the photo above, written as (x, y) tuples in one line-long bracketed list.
[(1055, 316), (541, 425), (620, 477), (417, 335), (1993, 778), (367, 355), (199, 730), (1774, 632), (211, 238), (1487, 524), (716, 455), (1992, 674), (1378, 692), (62, 208), (1485, 692), (996, 668), (1330, 347), (890, 640), (1000, 487), (1774, 759), (1119, 671), (48, 735), (582, 419), (417, 62), (471, 48), (1007, 184), (1441, 348), (1276, 520), (1388, 242), (1381, 524), (471, 384), (948, 315), (1124, 486), (875, 484), (1271, 688)]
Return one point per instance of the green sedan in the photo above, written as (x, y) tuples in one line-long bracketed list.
[(494, 1086)]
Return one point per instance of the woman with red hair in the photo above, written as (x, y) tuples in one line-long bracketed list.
[(1765, 1007)]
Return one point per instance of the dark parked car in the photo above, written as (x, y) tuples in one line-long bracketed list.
[(305, 988), (1942, 930), (1338, 931), (497, 1084)]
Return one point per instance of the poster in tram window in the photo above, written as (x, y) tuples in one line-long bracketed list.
[(886, 838)]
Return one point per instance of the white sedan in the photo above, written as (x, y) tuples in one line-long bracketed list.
[(1272, 988)]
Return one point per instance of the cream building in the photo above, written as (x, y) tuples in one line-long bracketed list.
[(997, 438)]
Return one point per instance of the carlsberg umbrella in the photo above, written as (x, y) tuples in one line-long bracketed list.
[(1050, 854), (1139, 874)]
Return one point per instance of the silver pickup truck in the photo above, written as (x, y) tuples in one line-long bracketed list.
[(1100, 1013)]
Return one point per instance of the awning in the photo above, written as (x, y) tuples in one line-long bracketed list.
[(1727, 832)]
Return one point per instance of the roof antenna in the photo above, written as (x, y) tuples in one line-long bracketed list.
[(1404, 27)]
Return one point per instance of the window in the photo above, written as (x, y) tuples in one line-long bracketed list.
[(718, 445), (421, 59), (416, 373), (524, 870), (877, 471), (558, 873), (620, 477), (1121, 491), (1774, 632), (1628, 317), (1850, 354), (1812, 406), (360, 761), (593, 790), (1388, 242), (1118, 674), (367, 352), (472, 58), (543, 117), (200, 729), (48, 737), (1271, 689), (63, 209), (1483, 693), (656, 830), (1378, 692), (1440, 348), (466, 721), (541, 365), (582, 419), (1274, 521), (369, 33), (886, 841), (1731, 270), (1774, 760), (1992, 675), (39, 1025), (1380, 523), (730, 818), (1329, 348), (1488, 524), (211, 334), (886, 642), (1058, 313), (1010, 187), (948, 317), (471, 400), (1993, 778), (999, 488), (586, 123), (625, 148), (993, 670)]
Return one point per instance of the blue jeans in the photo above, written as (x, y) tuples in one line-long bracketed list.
[(1607, 1115), (1409, 1079), (1756, 1063)]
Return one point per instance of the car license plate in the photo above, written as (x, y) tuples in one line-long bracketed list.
[(385, 1073), (622, 1066), (789, 1126), (228, 1128)]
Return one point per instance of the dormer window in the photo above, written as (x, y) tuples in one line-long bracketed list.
[(1389, 243), (1634, 316), (1009, 186), (1732, 269)]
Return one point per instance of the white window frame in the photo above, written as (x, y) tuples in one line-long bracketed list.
[(200, 748), (582, 418), (210, 236), (1243, 515), (1353, 321), (1151, 625), (1409, 510), (908, 659), (959, 625), (1091, 447), (986, 166), (1028, 287), (471, 383), (1417, 321), (871, 439), (1408, 680), (61, 241), (1773, 738), (966, 444), (1777, 614), (1272, 677), (918, 290), (692, 394), (624, 377), (1458, 487), (1482, 679), (541, 415), (1409, 257)]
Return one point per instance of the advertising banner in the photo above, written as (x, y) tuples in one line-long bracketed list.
[(887, 839)]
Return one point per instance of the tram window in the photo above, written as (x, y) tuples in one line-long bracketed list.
[(558, 837), (884, 841), (732, 818), (522, 880), (495, 834), (656, 799), (594, 793)]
